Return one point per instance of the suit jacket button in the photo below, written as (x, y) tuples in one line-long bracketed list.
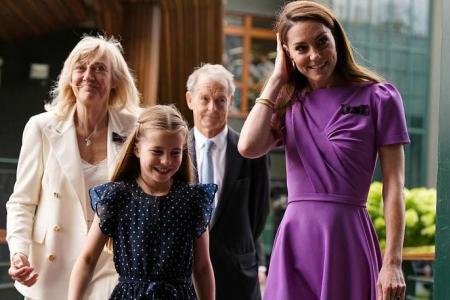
[(51, 257), (56, 228)]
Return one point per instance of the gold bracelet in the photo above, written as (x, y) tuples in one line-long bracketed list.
[(267, 102)]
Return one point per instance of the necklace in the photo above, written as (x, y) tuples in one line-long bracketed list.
[(87, 140)]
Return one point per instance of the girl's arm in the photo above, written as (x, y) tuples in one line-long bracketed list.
[(391, 283), (86, 262), (257, 136), (203, 272)]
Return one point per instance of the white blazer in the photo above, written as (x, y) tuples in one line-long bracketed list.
[(46, 214)]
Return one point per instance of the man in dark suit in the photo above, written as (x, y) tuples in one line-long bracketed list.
[(242, 200)]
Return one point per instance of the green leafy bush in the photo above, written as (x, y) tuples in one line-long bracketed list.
[(420, 215)]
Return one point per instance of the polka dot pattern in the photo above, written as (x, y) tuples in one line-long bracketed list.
[(153, 236)]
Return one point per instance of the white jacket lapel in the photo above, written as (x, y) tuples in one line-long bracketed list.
[(62, 138)]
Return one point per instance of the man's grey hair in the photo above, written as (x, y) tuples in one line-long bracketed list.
[(212, 72)]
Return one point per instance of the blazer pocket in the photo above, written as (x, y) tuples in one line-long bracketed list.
[(247, 260), (39, 233)]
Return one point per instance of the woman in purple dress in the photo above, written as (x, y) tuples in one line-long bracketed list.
[(334, 119)]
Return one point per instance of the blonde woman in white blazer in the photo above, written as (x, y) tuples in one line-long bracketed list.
[(65, 151)]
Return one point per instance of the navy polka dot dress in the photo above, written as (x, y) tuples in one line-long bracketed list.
[(153, 236)]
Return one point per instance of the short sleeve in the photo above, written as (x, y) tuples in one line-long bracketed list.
[(389, 114), (105, 200), (203, 206)]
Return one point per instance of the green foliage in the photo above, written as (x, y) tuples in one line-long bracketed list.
[(420, 215)]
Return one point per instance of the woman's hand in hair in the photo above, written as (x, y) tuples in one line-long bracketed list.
[(282, 64)]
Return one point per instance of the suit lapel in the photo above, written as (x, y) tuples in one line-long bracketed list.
[(63, 141), (233, 162)]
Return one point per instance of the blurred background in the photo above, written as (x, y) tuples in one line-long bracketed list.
[(165, 39)]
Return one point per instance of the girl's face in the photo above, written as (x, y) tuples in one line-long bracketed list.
[(311, 46), (160, 153)]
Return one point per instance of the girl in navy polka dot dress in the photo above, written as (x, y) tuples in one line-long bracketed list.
[(157, 221)]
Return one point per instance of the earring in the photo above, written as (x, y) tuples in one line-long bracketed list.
[(293, 65)]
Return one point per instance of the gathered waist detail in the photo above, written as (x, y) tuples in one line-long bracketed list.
[(163, 288), (341, 199)]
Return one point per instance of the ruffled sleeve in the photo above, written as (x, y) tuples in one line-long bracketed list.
[(389, 114), (105, 201), (203, 206)]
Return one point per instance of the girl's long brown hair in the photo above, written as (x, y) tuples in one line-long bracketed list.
[(346, 67), (158, 117)]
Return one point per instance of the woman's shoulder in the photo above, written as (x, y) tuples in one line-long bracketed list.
[(383, 85), (125, 117), (382, 92), (43, 119)]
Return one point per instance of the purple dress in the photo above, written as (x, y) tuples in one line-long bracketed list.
[(326, 247)]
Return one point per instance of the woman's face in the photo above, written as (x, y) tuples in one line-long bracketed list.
[(311, 46), (92, 80)]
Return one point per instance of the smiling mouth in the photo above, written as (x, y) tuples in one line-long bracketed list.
[(88, 86), (318, 67), (163, 171)]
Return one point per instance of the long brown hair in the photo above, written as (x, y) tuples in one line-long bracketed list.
[(158, 117), (346, 67)]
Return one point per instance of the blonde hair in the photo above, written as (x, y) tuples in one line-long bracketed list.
[(346, 66), (158, 117), (124, 95)]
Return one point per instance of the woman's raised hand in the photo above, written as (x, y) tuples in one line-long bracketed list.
[(21, 271), (282, 69)]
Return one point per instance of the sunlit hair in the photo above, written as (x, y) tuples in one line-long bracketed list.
[(158, 117), (213, 72), (124, 93), (346, 66)]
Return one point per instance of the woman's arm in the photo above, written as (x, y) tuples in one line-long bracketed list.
[(257, 136), (391, 283), (86, 262), (22, 204), (203, 272)]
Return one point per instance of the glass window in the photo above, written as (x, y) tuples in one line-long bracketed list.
[(233, 20), (232, 56), (249, 54), (262, 23), (263, 53), (236, 102)]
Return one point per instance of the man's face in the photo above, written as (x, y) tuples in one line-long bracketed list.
[(209, 103)]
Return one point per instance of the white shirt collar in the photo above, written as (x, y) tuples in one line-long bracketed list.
[(220, 140)]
